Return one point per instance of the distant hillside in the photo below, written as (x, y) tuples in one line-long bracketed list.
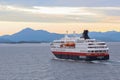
[(30, 35), (110, 36), (2, 40)]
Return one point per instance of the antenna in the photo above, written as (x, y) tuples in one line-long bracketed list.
[(74, 33), (66, 35), (66, 32)]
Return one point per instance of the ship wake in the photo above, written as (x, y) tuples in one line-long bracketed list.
[(105, 62)]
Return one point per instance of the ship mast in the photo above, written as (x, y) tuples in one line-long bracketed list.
[(66, 36), (74, 34)]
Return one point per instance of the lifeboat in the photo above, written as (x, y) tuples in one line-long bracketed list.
[(69, 44), (72, 44)]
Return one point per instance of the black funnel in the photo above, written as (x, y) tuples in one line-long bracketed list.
[(85, 34)]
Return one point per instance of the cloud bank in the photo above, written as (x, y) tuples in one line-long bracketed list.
[(59, 14)]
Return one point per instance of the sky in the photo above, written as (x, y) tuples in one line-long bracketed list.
[(59, 16)]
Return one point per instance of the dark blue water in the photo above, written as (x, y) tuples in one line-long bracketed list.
[(36, 62)]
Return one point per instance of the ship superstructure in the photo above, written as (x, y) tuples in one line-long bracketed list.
[(80, 48)]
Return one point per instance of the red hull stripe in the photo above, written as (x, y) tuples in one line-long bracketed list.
[(80, 54)]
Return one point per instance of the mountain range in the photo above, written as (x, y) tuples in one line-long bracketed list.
[(30, 35)]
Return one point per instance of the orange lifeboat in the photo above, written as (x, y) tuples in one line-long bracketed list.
[(70, 44)]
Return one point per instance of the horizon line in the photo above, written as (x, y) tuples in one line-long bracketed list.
[(57, 33)]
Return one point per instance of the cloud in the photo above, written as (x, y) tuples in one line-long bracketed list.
[(112, 19), (49, 10), (58, 14), (67, 3)]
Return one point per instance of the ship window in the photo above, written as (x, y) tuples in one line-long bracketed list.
[(104, 51), (101, 43), (96, 51), (89, 51), (62, 41), (90, 44)]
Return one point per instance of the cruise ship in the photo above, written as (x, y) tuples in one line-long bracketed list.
[(80, 48)]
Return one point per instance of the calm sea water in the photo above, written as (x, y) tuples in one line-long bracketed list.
[(36, 62)]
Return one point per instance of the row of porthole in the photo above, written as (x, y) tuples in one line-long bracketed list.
[(97, 47), (99, 51)]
